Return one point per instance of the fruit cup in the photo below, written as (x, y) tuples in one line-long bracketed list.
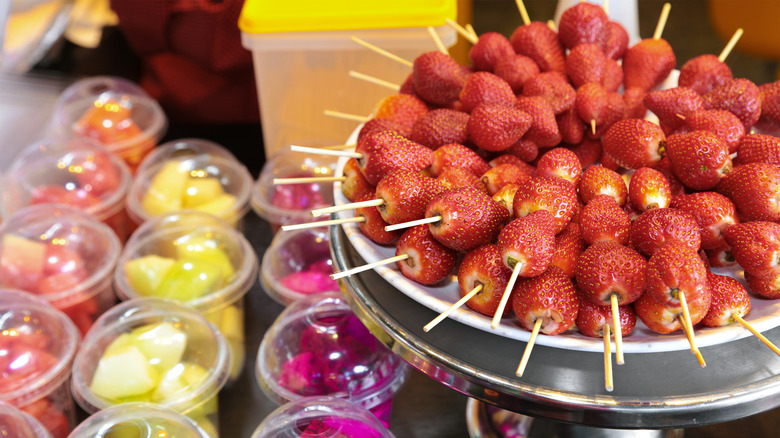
[(74, 172), (197, 259), (190, 174), (136, 420), (297, 264), (152, 350), (38, 343), (19, 424), (287, 204), (317, 346), (324, 417), (62, 255), (114, 112)]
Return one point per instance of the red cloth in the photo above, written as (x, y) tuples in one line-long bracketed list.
[(193, 62)]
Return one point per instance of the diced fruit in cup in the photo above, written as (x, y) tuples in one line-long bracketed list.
[(163, 344), (166, 190), (189, 279), (126, 372), (145, 274), (22, 262), (202, 247), (230, 322), (200, 191)]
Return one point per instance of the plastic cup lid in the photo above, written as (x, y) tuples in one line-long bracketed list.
[(18, 424), (138, 419)]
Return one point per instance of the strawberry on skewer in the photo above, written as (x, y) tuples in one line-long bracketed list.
[(648, 62), (705, 72)]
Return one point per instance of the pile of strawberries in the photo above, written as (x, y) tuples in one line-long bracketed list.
[(537, 162)]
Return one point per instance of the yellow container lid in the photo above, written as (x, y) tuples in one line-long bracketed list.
[(273, 16)]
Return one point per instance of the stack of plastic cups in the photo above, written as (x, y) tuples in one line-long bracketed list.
[(155, 351), (196, 259), (63, 255), (38, 344), (116, 113), (190, 174), (19, 424), (138, 420), (74, 172)]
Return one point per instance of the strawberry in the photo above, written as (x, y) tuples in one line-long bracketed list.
[(407, 86), (671, 103), (721, 123), (729, 297), (544, 129), (588, 151), (429, 261), (469, 218), (524, 149), (482, 266), (753, 188), (647, 63), (607, 269), (494, 127), (406, 195), (383, 125), (373, 227), (439, 127), (765, 287), (572, 128), (516, 70), (453, 177), (615, 40), (759, 148), (770, 107), (528, 169), (553, 86), (355, 185), (614, 111), (550, 297), (720, 257), (602, 220), (404, 109), (699, 158), (755, 246), (673, 269), (634, 143), (591, 104), (490, 48), (591, 319), (612, 78), (457, 155), (582, 23), (585, 63), (665, 167), (649, 189), (562, 163), (540, 43), (633, 100), (704, 73), (665, 319), (437, 78), (500, 175), (506, 196), (741, 97), (712, 211), (557, 196), (385, 151), (655, 228), (484, 87), (528, 243), (598, 180)]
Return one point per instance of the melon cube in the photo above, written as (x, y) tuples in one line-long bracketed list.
[(166, 190), (144, 274), (125, 372)]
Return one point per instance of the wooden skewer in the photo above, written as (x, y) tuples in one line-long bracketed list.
[(606, 7), (593, 126), (374, 80), (659, 28), (315, 224), (347, 116), (338, 147), (437, 40), (387, 261), (680, 116), (462, 31), (341, 207), (414, 223), (505, 297), (382, 52), (618, 330), (471, 30), (551, 25), (732, 42), (322, 151), (687, 321), (308, 179), (528, 347), (523, 11), (607, 361), (452, 308), (689, 335), (756, 333)]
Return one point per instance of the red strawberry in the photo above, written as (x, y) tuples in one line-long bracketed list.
[(588, 151), (544, 129), (614, 111), (404, 109), (550, 297), (649, 189), (554, 87), (568, 247), (729, 297), (406, 195), (720, 257), (528, 169), (453, 177), (598, 180), (540, 43), (489, 49), (766, 287), (712, 211), (484, 87), (585, 63), (572, 128), (457, 155), (615, 40), (755, 246), (506, 196), (407, 87), (655, 228), (557, 196), (469, 218), (602, 220), (704, 73), (770, 107), (500, 175), (741, 97), (674, 269), (524, 149), (633, 100), (634, 143), (437, 78), (665, 167), (494, 127), (591, 319), (516, 70), (374, 225), (383, 125), (355, 185), (665, 319), (671, 103), (582, 23), (607, 269), (753, 188), (527, 243), (482, 266), (647, 63), (560, 162), (439, 127), (591, 104), (759, 148), (612, 78), (699, 158), (385, 151), (721, 123), (429, 261)]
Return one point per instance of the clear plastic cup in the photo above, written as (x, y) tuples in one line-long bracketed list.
[(152, 350), (138, 420), (321, 417), (19, 424), (317, 347), (190, 174), (297, 264), (75, 172), (62, 255), (113, 111), (196, 259), (38, 344), (287, 204)]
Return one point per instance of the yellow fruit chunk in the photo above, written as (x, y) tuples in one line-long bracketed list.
[(165, 191), (201, 190), (144, 274), (163, 344), (205, 248), (189, 279), (124, 373), (220, 206)]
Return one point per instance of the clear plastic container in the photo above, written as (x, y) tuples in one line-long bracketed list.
[(139, 420), (75, 172), (297, 264), (321, 417), (63, 255), (154, 351), (115, 112), (317, 346), (38, 344), (190, 174), (196, 259)]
